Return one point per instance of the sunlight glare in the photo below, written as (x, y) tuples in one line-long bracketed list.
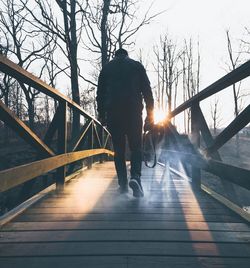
[(159, 116), (86, 192), (190, 224)]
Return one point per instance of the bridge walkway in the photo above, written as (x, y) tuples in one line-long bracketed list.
[(91, 225)]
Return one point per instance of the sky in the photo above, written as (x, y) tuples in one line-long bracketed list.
[(206, 21), (199, 19)]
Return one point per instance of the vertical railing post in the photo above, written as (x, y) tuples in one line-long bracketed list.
[(61, 143), (195, 136), (90, 144), (101, 137)]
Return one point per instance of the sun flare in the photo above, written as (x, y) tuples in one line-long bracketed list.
[(159, 116)]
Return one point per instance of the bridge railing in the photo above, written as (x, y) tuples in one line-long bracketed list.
[(96, 139), (92, 140), (208, 157)]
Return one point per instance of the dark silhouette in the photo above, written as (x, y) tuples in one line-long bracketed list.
[(122, 86)]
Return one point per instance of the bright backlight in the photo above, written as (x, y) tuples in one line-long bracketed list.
[(159, 116)]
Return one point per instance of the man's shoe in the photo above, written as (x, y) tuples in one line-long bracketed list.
[(123, 189), (135, 185)]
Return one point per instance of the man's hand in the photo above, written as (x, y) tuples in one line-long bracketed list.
[(149, 123)]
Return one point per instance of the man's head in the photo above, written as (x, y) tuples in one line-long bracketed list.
[(121, 52)]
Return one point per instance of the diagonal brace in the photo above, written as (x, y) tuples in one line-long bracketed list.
[(232, 129), (77, 141), (12, 121)]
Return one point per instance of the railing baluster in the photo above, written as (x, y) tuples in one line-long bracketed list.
[(196, 172), (91, 144), (62, 143), (52, 128), (206, 134), (101, 138)]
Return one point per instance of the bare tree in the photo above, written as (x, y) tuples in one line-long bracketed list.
[(88, 100), (190, 75), (215, 115), (245, 42), (10, 91), (5, 83), (98, 25), (234, 61), (143, 59), (192, 72), (23, 43), (66, 33), (112, 24), (168, 71)]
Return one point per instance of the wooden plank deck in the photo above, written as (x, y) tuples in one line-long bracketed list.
[(91, 225)]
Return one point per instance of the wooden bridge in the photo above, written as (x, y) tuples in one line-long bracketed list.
[(84, 222)]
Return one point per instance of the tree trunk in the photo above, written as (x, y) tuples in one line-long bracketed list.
[(104, 37), (71, 45), (30, 101), (31, 113), (236, 112), (74, 70), (169, 104), (6, 129)]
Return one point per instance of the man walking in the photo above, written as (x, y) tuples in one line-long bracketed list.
[(122, 86)]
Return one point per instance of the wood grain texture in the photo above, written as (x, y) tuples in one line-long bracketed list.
[(124, 249), (126, 225), (91, 225), (124, 235), (123, 262), (12, 177)]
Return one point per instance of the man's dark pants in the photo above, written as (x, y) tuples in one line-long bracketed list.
[(122, 124)]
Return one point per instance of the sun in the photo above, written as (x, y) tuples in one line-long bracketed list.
[(159, 116)]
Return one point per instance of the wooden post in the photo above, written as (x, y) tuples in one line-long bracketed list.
[(61, 143), (196, 172), (100, 132), (90, 144), (206, 134), (52, 128)]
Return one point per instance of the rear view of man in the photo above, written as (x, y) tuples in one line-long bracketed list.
[(122, 86)]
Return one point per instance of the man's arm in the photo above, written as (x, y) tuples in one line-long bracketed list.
[(147, 94), (100, 97)]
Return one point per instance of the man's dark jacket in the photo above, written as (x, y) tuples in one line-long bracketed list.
[(122, 85)]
